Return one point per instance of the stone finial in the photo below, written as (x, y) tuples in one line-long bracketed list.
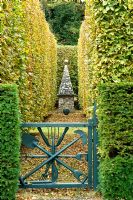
[(66, 62)]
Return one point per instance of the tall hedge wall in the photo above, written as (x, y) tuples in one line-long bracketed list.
[(13, 54), (84, 72), (68, 52), (107, 33), (41, 62), (29, 56), (9, 141), (115, 115)]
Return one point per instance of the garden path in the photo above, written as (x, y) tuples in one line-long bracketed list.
[(60, 194)]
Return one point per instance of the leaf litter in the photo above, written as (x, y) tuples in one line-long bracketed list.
[(58, 194)]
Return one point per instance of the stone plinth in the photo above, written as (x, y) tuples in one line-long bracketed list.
[(66, 102)]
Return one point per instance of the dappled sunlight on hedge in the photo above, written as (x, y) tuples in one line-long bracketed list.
[(29, 57), (105, 47)]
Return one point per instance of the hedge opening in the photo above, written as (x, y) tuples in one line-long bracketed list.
[(67, 52), (64, 18)]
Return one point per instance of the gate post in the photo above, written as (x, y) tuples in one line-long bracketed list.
[(90, 129), (95, 151)]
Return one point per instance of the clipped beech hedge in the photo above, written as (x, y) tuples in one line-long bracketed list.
[(106, 43), (13, 53), (41, 62), (9, 141), (115, 109), (29, 56), (68, 52), (84, 72)]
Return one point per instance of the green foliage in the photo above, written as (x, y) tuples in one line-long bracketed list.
[(29, 57), (106, 45), (114, 40), (115, 108), (69, 53), (13, 54), (65, 20), (9, 141), (116, 178), (41, 62), (85, 72)]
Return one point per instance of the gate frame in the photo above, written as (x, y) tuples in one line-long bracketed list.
[(93, 162)]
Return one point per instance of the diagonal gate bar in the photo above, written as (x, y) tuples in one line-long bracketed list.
[(77, 174), (50, 159), (53, 156)]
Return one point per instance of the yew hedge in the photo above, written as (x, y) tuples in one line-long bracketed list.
[(9, 141), (115, 128), (105, 47), (29, 57)]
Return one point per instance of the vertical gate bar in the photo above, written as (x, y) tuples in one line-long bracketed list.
[(95, 157), (51, 132), (58, 132), (48, 134), (90, 154), (53, 152), (95, 153)]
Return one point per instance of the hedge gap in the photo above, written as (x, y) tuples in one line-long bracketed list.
[(67, 52)]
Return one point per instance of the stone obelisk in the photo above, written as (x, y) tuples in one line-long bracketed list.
[(66, 93)]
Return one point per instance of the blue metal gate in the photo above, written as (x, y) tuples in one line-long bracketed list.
[(52, 154)]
